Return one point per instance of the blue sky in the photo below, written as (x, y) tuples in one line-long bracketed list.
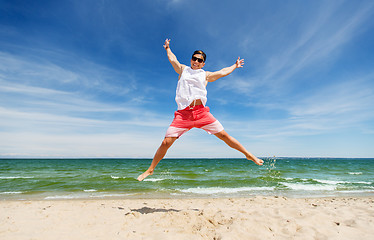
[(91, 78)]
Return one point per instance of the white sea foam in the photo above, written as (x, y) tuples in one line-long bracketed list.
[(217, 190), (109, 195), (90, 190), (355, 173), (360, 191), (153, 179), (6, 193), (61, 197), (361, 182), (309, 187), (331, 182), (93, 194), (114, 177), (13, 177)]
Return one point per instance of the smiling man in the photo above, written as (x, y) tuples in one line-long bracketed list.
[(191, 98)]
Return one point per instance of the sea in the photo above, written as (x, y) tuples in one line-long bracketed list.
[(55, 179)]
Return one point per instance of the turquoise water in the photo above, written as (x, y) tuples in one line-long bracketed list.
[(184, 178)]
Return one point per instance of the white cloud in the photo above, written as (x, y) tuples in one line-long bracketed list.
[(74, 75), (345, 105), (318, 38), (49, 110), (123, 145)]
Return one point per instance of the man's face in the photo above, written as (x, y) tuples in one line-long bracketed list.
[(197, 62)]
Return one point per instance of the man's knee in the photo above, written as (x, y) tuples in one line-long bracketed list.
[(167, 142), (222, 135)]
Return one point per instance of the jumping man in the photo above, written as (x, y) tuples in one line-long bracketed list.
[(191, 97)]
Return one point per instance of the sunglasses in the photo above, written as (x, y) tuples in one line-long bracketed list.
[(200, 60)]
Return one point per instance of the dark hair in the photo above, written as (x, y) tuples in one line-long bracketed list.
[(200, 52)]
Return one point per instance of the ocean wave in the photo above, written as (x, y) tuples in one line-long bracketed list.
[(61, 197), (14, 177), (219, 190), (309, 187), (362, 182), (90, 193), (90, 190), (330, 182), (355, 173), (111, 195), (126, 178), (9, 193), (371, 190), (153, 179)]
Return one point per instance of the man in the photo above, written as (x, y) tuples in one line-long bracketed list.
[(191, 99)]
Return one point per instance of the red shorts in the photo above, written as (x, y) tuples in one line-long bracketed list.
[(198, 117)]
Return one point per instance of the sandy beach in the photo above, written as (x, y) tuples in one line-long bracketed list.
[(232, 218)]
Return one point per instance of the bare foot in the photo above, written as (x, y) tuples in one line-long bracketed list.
[(256, 160), (144, 175)]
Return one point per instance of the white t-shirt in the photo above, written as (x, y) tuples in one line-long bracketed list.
[(191, 86)]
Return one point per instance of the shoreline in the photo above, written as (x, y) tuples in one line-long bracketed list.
[(259, 217), (84, 196), (192, 198)]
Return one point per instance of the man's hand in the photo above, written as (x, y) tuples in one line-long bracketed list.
[(239, 63), (167, 42)]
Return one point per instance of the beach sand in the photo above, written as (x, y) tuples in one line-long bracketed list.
[(235, 218)]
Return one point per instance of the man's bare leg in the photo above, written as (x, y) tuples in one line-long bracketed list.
[(232, 142), (159, 155)]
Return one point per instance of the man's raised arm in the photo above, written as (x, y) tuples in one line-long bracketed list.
[(172, 58), (213, 76)]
